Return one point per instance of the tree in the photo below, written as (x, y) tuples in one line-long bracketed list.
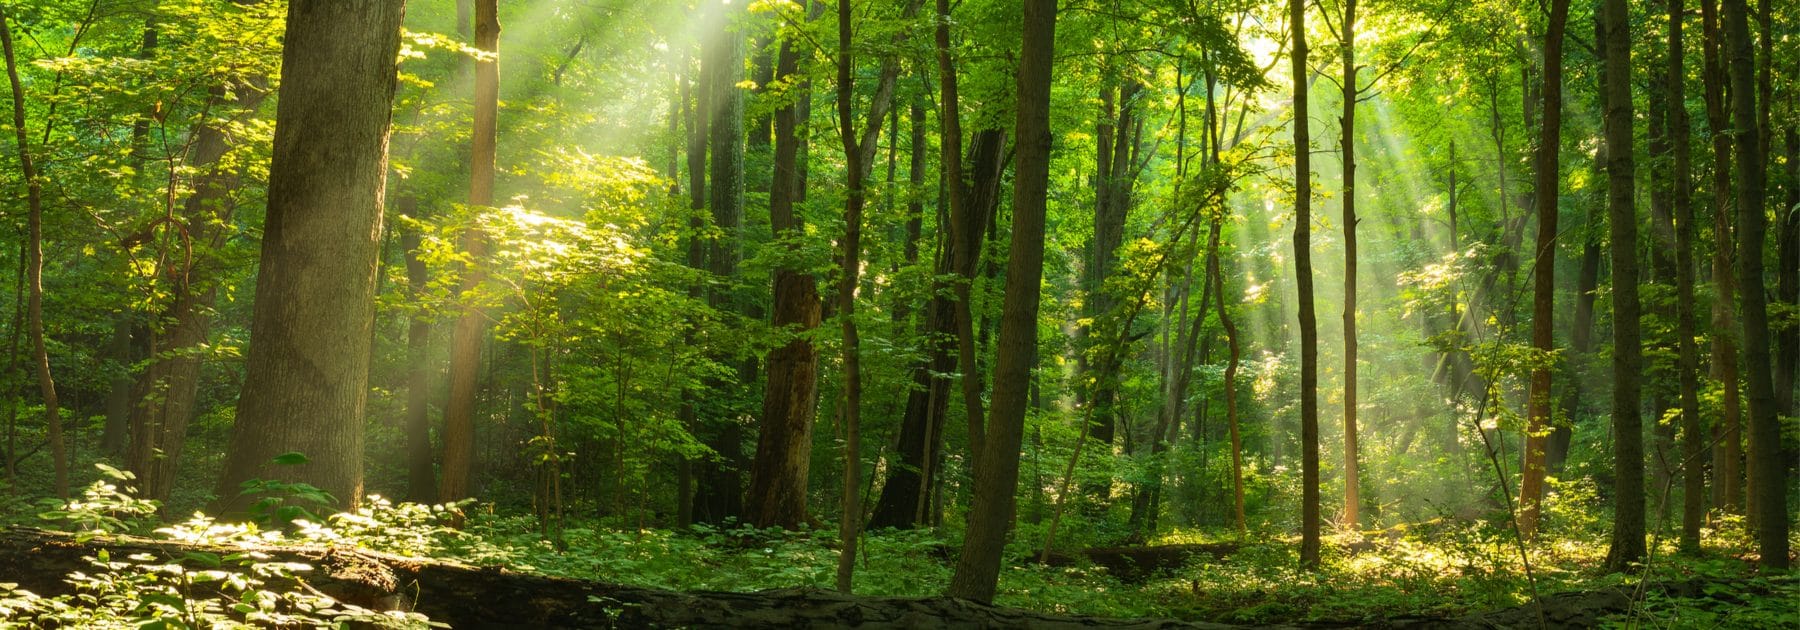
[(1627, 544), (1728, 489), (471, 324), (778, 474), (1309, 326), (997, 473), (1347, 149), (1693, 437), (1766, 478), (1547, 169), (306, 375), (34, 201)]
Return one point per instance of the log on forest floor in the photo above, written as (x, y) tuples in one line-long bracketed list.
[(486, 597)]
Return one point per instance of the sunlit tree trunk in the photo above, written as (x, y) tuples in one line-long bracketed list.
[(471, 324), (996, 476), (306, 375), (421, 477), (1546, 169), (1347, 150), (1309, 326), (34, 201), (1628, 443), (720, 491), (1767, 481)]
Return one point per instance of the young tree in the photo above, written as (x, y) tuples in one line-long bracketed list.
[(1347, 151), (1309, 326), (997, 473), (1693, 437), (1547, 170), (306, 376), (1728, 489), (1628, 443), (34, 203), (471, 324)]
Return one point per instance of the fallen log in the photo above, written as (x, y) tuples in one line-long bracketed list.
[(1135, 564)]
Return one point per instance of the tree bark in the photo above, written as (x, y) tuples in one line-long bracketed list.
[(421, 477), (1693, 434), (1347, 148), (471, 324), (1767, 480), (1547, 169), (34, 200), (306, 376), (1309, 326), (1728, 489), (720, 491), (997, 472), (1627, 544)]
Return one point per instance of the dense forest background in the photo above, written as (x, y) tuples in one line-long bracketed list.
[(953, 283)]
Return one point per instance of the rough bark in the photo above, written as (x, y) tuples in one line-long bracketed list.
[(306, 376), (1627, 545), (1766, 478), (471, 324), (720, 491), (1547, 171), (997, 471), (778, 474), (1728, 489), (1693, 434)]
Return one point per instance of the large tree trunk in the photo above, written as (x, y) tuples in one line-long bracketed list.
[(306, 376), (1628, 443), (997, 472), (1309, 325), (1546, 168), (778, 475), (1728, 489), (471, 324), (34, 200), (1767, 482), (1693, 435)]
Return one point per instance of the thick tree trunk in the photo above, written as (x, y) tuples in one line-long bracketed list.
[(997, 472), (1547, 169), (306, 376), (1767, 481), (720, 492), (778, 475), (1627, 544), (471, 324), (34, 200), (1309, 326)]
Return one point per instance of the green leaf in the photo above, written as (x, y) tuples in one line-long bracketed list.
[(290, 458)]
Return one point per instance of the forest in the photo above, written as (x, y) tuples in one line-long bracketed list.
[(900, 314)]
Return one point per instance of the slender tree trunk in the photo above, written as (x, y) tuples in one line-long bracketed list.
[(696, 104), (720, 492), (849, 527), (1347, 147), (1309, 326), (421, 478), (35, 268), (1547, 168), (1767, 481), (996, 477), (778, 475), (1628, 443), (1581, 342), (1728, 489), (306, 376), (1693, 434), (12, 390), (471, 324)]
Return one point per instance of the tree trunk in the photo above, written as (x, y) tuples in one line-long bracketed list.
[(1627, 544), (1547, 169), (997, 473), (1347, 147), (1767, 480), (1693, 435), (471, 324), (778, 475), (720, 494), (34, 200), (421, 479), (855, 169), (306, 376), (1309, 326), (1728, 488)]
